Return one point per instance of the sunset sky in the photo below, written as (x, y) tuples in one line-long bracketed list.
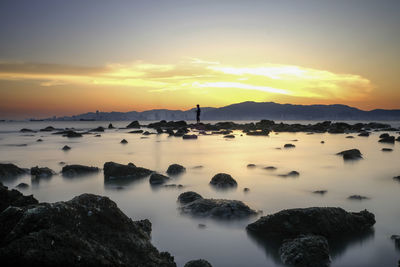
[(70, 57)]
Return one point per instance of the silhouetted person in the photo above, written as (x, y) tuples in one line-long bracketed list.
[(198, 113)]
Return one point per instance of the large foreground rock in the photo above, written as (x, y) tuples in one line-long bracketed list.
[(76, 170), (114, 170), (13, 198), (9, 170), (88, 230), (327, 221), (305, 251), (214, 208)]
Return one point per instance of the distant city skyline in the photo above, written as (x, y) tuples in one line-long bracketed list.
[(69, 57)]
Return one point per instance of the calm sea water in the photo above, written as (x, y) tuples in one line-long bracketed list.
[(222, 243)]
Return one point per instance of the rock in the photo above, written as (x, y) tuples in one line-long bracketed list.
[(198, 263), (179, 186), (114, 170), (322, 142), (214, 208), (290, 174), (39, 140), (198, 167), (397, 178), (351, 154), (305, 251), (364, 134), (188, 197), (357, 197), (175, 169), (97, 135), (134, 124), (289, 146), (201, 225), (157, 179), (66, 148), (258, 133), (246, 189), (270, 168), (42, 172), (72, 134), (146, 133), (22, 186), (251, 165), (136, 131), (61, 163), (123, 141), (12, 198), (350, 137), (320, 192), (48, 129), (398, 139), (326, 221), (189, 136), (223, 180), (10, 170), (389, 140), (387, 149), (110, 126), (88, 230), (98, 129), (25, 130), (384, 135), (396, 239), (159, 130), (76, 170), (229, 136)]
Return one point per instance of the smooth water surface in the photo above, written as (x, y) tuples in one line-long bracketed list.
[(223, 243)]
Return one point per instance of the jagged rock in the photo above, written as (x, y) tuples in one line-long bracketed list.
[(75, 170), (123, 141), (22, 186), (42, 172), (134, 124), (326, 221), (215, 208), (189, 136), (175, 169), (98, 129), (351, 154), (66, 148), (305, 251), (157, 179), (198, 263), (136, 131), (114, 170), (289, 146), (9, 170), (223, 180), (12, 198), (88, 230), (357, 197), (389, 140)]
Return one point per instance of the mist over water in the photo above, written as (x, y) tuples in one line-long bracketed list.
[(222, 243)]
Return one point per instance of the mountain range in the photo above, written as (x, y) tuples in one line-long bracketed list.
[(247, 111)]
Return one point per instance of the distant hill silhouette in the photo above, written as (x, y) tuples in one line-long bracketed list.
[(249, 111)]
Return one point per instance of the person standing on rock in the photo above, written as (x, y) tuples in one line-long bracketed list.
[(198, 114)]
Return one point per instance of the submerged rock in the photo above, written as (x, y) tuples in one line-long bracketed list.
[(320, 192), (364, 134), (396, 239), (251, 165), (42, 172), (12, 198), (157, 179), (39, 140), (290, 174), (223, 180), (289, 146), (270, 168), (189, 136), (258, 133), (305, 251), (88, 230), (175, 169), (388, 139), (387, 149), (198, 263), (75, 170), (397, 178), (229, 136), (350, 154), (72, 134), (326, 221), (9, 170), (114, 170), (136, 131), (194, 204), (357, 197)]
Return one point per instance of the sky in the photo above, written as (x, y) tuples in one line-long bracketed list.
[(70, 57)]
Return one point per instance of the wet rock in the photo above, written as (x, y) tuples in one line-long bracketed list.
[(42, 172), (364, 134), (98, 129), (12, 198), (270, 168), (188, 197), (258, 133), (22, 186), (305, 251), (157, 179), (48, 129), (322, 142), (189, 136), (66, 148), (123, 141), (357, 197), (136, 131), (76, 170), (134, 124), (214, 208), (88, 230), (110, 126), (146, 133), (289, 146), (223, 180), (198, 263), (388, 139), (387, 149), (398, 139), (25, 130), (230, 136), (351, 154), (350, 137), (175, 169), (251, 165), (72, 134), (320, 192), (290, 174), (384, 135), (39, 140), (114, 170), (326, 221), (9, 170)]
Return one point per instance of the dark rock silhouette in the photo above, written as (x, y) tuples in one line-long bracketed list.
[(157, 179), (188, 197), (357, 197), (114, 170), (175, 169), (198, 263), (98, 129), (25, 130), (42, 172), (9, 170), (123, 141), (134, 124), (189, 136), (136, 131), (22, 186), (12, 198), (351, 154), (290, 174), (66, 148), (387, 149), (320, 192), (48, 129), (387, 139), (77, 170), (223, 180)]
